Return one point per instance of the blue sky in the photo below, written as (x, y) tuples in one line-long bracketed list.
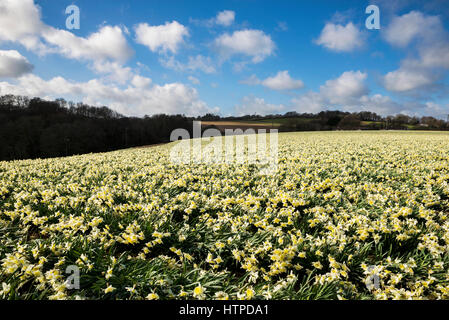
[(229, 57)]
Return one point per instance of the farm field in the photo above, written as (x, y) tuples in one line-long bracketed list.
[(239, 123), (348, 215), (243, 125), (281, 121)]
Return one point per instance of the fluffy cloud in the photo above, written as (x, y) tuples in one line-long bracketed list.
[(106, 50), (343, 92), (253, 43), (13, 11), (137, 99), (348, 85), (108, 43), (436, 110), (378, 103), (114, 71), (140, 82), (348, 92), (13, 64), (418, 73), (197, 62), (404, 29), (251, 81), (405, 79), (20, 22), (225, 18), (202, 63), (254, 105), (194, 80), (340, 38), (281, 81), (282, 26), (167, 37), (311, 102), (435, 55)]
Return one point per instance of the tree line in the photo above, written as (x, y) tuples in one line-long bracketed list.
[(340, 120), (37, 128)]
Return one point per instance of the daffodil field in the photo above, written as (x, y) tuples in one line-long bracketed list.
[(347, 215)]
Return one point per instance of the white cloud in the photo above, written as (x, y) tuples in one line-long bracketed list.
[(436, 110), (282, 26), (435, 55), (348, 92), (107, 49), (376, 103), (194, 80), (340, 38), (113, 71), (197, 62), (253, 43), (252, 80), (281, 81), (13, 64), (404, 29), (225, 18), (313, 102), (167, 37), (254, 105), (310, 102), (140, 82), (420, 72), (108, 43), (348, 85), (239, 65), (20, 22), (202, 63), (138, 99), (405, 79)]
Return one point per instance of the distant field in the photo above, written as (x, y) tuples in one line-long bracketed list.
[(256, 124), (377, 123), (244, 125), (238, 123), (277, 122), (282, 121)]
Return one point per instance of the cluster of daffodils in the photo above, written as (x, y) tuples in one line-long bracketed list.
[(347, 215)]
